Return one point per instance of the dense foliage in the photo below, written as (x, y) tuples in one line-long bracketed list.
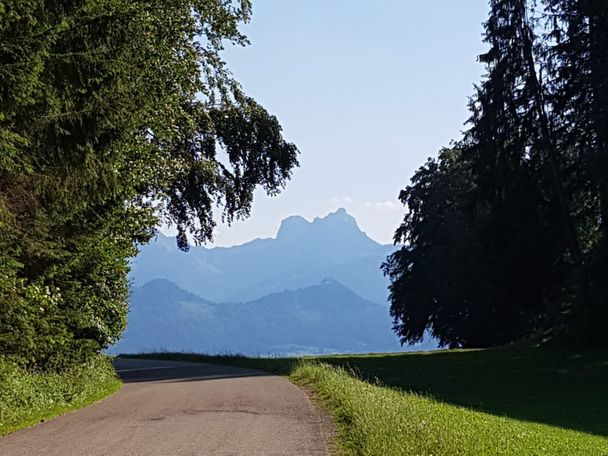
[(114, 115), (506, 233)]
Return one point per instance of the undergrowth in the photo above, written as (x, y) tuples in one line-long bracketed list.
[(28, 397)]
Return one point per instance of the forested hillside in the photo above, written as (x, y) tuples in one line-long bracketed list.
[(324, 318), (506, 231), (115, 116)]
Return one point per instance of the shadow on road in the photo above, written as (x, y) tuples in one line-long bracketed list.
[(138, 370)]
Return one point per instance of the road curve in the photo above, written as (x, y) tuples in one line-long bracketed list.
[(173, 409)]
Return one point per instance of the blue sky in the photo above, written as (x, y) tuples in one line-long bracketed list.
[(366, 89)]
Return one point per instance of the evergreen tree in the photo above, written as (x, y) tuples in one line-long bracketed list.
[(577, 66), (530, 216), (523, 216)]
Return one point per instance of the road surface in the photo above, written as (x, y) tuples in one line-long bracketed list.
[(172, 409)]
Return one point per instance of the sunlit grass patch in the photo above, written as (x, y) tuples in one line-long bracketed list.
[(377, 420)]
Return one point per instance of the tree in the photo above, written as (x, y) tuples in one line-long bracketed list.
[(515, 263), (430, 275), (577, 69), (523, 217), (116, 115)]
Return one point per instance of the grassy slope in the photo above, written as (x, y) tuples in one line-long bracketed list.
[(375, 420), (27, 397), (546, 400)]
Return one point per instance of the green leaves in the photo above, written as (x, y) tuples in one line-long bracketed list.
[(504, 237), (116, 115)]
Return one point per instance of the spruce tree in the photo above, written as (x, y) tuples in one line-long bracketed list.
[(577, 66), (514, 217)]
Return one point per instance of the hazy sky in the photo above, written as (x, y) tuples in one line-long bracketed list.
[(366, 89)]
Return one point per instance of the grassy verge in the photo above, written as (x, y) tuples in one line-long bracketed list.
[(376, 420), (549, 400), (29, 397)]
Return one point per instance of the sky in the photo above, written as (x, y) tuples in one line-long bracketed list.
[(367, 90)]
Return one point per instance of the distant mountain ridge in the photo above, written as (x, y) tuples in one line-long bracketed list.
[(301, 255), (325, 318)]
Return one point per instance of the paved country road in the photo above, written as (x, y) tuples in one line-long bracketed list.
[(172, 408)]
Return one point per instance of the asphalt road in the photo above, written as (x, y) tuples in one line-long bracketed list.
[(172, 408)]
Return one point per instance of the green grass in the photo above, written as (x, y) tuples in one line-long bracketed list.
[(375, 420), (553, 385), (28, 397), (521, 400)]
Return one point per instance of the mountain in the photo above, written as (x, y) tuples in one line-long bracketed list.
[(301, 255), (324, 318)]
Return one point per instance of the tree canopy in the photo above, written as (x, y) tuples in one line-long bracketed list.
[(505, 234), (115, 115)]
